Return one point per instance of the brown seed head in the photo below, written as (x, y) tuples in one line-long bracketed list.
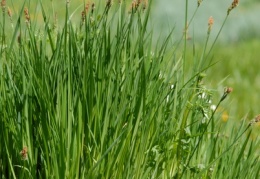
[(210, 23), (9, 12), (199, 2), (92, 8), (26, 13), (228, 90), (138, 3), (145, 4), (87, 7), (3, 5), (255, 120), (232, 6), (109, 3), (134, 5), (19, 39), (84, 12), (234, 3), (24, 153)]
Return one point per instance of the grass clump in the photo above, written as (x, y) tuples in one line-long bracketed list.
[(100, 101)]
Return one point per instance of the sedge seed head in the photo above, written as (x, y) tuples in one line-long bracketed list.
[(210, 23), (233, 5), (3, 5), (24, 153), (9, 12), (255, 120), (228, 90), (92, 8), (27, 16), (199, 2), (145, 4), (109, 3)]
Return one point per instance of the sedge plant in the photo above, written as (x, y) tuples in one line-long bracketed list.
[(101, 100)]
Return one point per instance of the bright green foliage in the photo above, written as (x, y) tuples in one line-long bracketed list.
[(100, 101)]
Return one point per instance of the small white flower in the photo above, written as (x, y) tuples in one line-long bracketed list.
[(213, 107), (202, 96)]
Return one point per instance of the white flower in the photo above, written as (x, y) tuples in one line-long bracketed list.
[(213, 107)]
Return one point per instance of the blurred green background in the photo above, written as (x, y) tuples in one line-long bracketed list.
[(236, 53)]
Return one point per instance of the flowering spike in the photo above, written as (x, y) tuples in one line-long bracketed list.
[(227, 90), (210, 23), (232, 6), (26, 13), (199, 2), (24, 153), (3, 5)]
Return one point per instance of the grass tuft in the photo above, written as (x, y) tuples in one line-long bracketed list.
[(100, 100)]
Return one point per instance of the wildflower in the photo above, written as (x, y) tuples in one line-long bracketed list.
[(24, 153), (210, 23), (213, 107), (232, 6), (224, 116)]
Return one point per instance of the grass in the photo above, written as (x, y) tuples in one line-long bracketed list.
[(100, 100)]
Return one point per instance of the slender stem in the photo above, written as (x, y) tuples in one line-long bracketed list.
[(215, 40), (185, 39)]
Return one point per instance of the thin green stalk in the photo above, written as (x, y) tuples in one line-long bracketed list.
[(185, 40), (215, 40)]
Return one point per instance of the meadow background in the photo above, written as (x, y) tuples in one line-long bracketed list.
[(108, 99), (237, 51)]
